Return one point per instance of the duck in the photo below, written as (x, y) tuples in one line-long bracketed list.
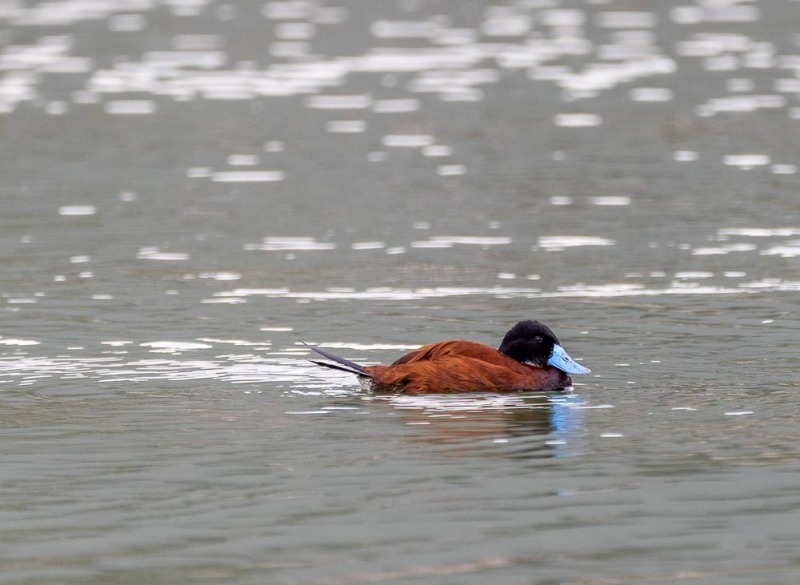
[(530, 358)]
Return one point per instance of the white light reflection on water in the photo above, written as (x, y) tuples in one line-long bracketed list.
[(450, 241), (577, 120), (368, 346), (611, 201), (789, 250), (604, 48), (721, 250), (13, 341), (760, 232), (611, 290), (559, 243), (738, 241), (77, 210), (290, 243), (153, 253), (280, 372), (746, 161), (247, 176)]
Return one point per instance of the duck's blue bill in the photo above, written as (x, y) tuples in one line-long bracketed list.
[(560, 359)]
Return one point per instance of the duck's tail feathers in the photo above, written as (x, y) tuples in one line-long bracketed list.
[(340, 363), (338, 367)]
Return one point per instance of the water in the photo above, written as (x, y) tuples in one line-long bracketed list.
[(189, 188)]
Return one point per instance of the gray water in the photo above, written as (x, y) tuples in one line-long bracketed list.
[(190, 187)]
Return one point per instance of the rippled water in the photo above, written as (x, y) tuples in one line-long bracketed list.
[(191, 187)]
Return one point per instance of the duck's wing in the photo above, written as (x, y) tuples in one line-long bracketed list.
[(456, 347)]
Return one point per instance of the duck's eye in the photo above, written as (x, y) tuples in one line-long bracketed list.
[(537, 339)]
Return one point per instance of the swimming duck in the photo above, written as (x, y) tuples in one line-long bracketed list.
[(529, 358)]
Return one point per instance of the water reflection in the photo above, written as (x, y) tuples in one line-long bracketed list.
[(518, 426)]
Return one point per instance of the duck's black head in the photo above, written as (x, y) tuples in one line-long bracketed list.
[(529, 342), (533, 343)]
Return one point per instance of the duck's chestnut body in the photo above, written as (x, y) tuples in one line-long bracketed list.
[(529, 358), (462, 366)]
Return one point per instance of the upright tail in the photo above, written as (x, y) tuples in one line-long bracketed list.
[(340, 363)]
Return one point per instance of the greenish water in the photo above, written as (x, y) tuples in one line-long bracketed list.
[(188, 189)]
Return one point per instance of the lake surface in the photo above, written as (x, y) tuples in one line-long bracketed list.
[(191, 187)]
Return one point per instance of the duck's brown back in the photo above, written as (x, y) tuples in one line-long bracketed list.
[(462, 366)]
